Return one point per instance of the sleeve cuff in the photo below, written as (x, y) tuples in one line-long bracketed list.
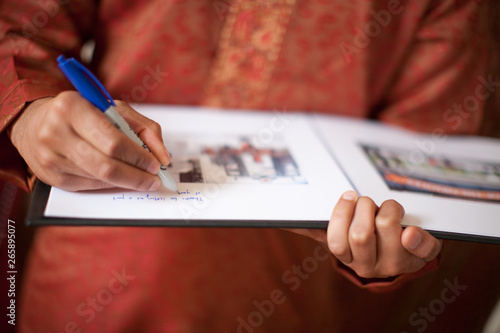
[(13, 168), (384, 284)]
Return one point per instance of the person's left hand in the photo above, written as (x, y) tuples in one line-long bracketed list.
[(370, 240)]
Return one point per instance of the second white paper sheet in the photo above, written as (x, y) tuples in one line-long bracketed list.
[(446, 183)]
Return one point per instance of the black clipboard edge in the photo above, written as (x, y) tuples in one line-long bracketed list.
[(41, 193), (38, 203)]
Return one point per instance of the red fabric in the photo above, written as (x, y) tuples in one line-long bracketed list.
[(424, 58)]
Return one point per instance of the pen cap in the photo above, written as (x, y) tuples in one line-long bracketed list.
[(85, 82)]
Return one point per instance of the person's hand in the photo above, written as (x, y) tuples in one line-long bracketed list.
[(70, 144), (370, 240)]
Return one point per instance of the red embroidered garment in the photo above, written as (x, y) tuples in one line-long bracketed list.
[(416, 64)]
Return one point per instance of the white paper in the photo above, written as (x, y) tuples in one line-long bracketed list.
[(439, 163), (303, 190), (320, 157)]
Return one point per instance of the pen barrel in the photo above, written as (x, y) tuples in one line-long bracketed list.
[(120, 123)]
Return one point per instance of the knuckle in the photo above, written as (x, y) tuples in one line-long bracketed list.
[(80, 152), (112, 147), (338, 249), (144, 183), (63, 103), (45, 159), (97, 135), (155, 127), (385, 222), (142, 161), (392, 269), (49, 129), (99, 184), (107, 171), (44, 134), (359, 237), (364, 272)]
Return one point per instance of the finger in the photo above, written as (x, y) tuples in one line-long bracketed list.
[(63, 173), (58, 171), (148, 130), (420, 243), (338, 228), (71, 182), (55, 140), (362, 239), (48, 167), (109, 170), (63, 157), (392, 258), (93, 126)]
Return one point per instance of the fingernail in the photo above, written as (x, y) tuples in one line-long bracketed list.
[(350, 195), (415, 241), (168, 156)]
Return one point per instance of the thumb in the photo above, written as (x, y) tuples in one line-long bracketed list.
[(420, 243)]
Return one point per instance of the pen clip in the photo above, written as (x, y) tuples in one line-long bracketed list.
[(83, 71), (94, 80)]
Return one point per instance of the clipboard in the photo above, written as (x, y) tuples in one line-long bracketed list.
[(272, 177)]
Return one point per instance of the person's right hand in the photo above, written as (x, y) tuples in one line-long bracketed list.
[(68, 143)]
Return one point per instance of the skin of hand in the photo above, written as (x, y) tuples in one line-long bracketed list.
[(370, 240), (70, 144)]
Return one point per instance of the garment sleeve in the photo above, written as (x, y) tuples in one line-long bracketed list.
[(381, 285), (442, 81), (491, 118), (32, 35)]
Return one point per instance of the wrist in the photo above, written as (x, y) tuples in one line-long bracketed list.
[(16, 126)]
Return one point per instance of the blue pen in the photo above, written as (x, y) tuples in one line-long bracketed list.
[(90, 88)]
